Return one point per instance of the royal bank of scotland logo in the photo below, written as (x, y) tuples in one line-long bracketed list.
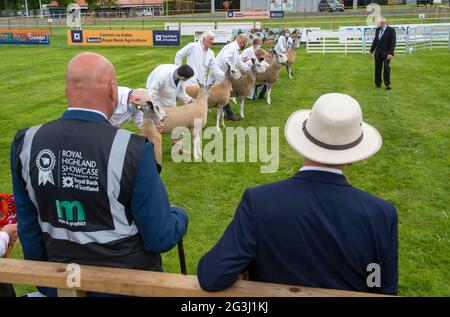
[(45, 162)]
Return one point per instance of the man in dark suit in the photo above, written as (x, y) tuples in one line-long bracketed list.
[(314, 229), (383, 45)]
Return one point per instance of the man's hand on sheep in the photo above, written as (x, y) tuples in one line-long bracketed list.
[(160, 127)]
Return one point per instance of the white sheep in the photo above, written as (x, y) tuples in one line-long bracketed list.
[(185, 116), (243, 87), (271, 75), (219, 95)]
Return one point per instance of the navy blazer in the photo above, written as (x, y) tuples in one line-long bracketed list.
[(313, 229), (385, 45)]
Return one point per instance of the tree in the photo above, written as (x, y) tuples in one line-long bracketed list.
[(92, 4), (107, 4), (102, 4), (62, 4)]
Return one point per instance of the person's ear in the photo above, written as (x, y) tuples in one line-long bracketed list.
[(113, 97)]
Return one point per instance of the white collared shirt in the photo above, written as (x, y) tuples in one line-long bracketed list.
[(90, 110), (321, 169), (382, 33)]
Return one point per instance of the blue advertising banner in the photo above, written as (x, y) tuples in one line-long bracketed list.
[(276, 14), (166, 38), (33, 37)]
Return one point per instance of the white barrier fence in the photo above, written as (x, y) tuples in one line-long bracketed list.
[(189, 28), (409, 39)]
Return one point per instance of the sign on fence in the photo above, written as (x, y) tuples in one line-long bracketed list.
[(166, 38), (263, 14), (276, 14), (109, 37), (123, 38), (30, 37)]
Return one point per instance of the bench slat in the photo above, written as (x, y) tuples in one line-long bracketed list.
[(145, 283)]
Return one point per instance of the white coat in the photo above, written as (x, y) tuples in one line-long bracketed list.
[(228, 55), (248, 54), (282, 45), (198, 58), (161, 85), (122, 114)]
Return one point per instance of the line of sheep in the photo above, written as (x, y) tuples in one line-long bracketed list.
[(236, 83)]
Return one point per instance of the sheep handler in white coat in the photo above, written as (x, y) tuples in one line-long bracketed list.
[(284, 41), (165, 84), (229, 55), (126, 110), (255, 52), (200, 57)]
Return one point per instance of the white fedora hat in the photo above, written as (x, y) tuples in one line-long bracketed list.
[(332, 132)]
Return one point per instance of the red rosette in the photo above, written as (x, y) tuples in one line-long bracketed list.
[(7, 209)]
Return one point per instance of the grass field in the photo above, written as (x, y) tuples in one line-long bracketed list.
[(411, 170)]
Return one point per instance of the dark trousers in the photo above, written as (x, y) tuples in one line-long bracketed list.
[(228, 111), (7, 290), (382, 63), (262, 93)]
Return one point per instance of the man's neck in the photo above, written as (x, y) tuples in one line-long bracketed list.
[(88, 110), (321, 169), (310, 163)]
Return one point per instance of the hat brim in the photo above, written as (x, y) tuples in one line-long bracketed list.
[(293, 132)]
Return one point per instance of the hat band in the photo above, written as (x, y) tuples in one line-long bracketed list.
[(330, 146)]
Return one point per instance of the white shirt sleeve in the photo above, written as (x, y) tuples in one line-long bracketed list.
[(139, 119), (185, 51), (244, 66), (281, 44), (290, 42), (153, 89), (265, 64), (215, 69), (4, 241)]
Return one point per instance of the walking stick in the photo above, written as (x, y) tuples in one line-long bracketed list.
[(182, 257), (9, 251)]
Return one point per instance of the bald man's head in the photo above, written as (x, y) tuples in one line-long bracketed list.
[(91, 83)]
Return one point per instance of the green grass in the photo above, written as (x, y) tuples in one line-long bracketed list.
[(411, 170)]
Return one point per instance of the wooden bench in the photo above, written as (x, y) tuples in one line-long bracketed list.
[(145, 283)]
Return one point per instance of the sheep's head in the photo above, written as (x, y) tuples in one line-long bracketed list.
[(260, 68), (154, 112), (281, 58), (234, 72), (204, 90), (140, 98)]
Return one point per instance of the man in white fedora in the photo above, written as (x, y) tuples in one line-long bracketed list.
[(313, 229)]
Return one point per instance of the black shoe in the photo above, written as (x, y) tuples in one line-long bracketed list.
[(377, 86), (233, 118), (388, 87)]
